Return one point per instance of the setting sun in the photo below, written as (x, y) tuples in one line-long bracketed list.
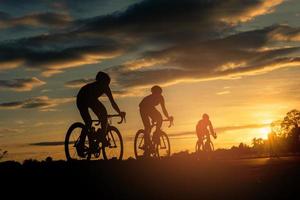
[(264, 132)]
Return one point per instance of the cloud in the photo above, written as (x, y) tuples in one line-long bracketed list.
[(35, 20), (25, 84), (286, 33), (55, 61), (240, 54), (48, 123), (223, 129), (193, 41), (9, 131), (78, 83), (223, 92), (43, 103), (156, 22), (243, 11), (47, 143), (170, 19)]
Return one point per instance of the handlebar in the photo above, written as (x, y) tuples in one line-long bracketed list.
[(171, 120), (122, 116)]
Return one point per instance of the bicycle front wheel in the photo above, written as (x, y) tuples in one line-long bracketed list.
[(72, 140), (163, 147), (139, 144), (114, 150), (209, 146)]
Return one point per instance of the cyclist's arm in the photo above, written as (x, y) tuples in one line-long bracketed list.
[(211, 128), (112, 101), (163, 107)]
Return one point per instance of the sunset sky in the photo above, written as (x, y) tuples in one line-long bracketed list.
[(237, 60)]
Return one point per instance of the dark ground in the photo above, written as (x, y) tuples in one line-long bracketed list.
[(175, 178)]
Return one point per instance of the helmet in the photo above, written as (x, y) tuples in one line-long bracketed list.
[(103, 77), (205, 116), (156, 89)]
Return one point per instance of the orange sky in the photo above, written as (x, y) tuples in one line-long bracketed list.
[(242, 68)]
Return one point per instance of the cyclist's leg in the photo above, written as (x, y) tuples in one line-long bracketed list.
[(147, 125), (207, 142), (99, 109), (200, 140), (84, 112), (156, 116)]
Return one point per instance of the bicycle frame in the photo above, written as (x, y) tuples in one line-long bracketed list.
[(205, 140), (154, 125), (123, 119), (109, 117), (164, 120), (108, 122)]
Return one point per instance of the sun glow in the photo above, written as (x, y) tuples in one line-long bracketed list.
[(264, 132)]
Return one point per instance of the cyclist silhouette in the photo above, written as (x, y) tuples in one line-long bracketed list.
[(87, 97), (148, 111), (201, 128)]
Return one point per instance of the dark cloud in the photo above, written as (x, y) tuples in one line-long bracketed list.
[(76, 8), (245, 53), (4, 16), (286, 33), (25, 84), (43, 103), (78, 82), (164, 19), (195, 40), (37, 19), (53, 61)]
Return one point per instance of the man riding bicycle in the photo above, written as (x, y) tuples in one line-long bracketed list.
[(87, 97), (201, 128), (148, 111)]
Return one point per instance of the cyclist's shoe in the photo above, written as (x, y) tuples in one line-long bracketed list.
[(105, 143), (81, 150), (102, 138), (147, 153), (152, 148)]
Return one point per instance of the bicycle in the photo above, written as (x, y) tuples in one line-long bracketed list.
[(205, 144), (92, 148), (159, 143)]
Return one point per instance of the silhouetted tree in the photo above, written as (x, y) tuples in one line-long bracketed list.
[(257, 142), (291, 131), (259, 145), (291, 121), (276, 127)]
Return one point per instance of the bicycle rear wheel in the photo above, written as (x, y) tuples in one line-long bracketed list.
[(163, 147), (139, 144), (72, 140), (198, 147), (114, 151)]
